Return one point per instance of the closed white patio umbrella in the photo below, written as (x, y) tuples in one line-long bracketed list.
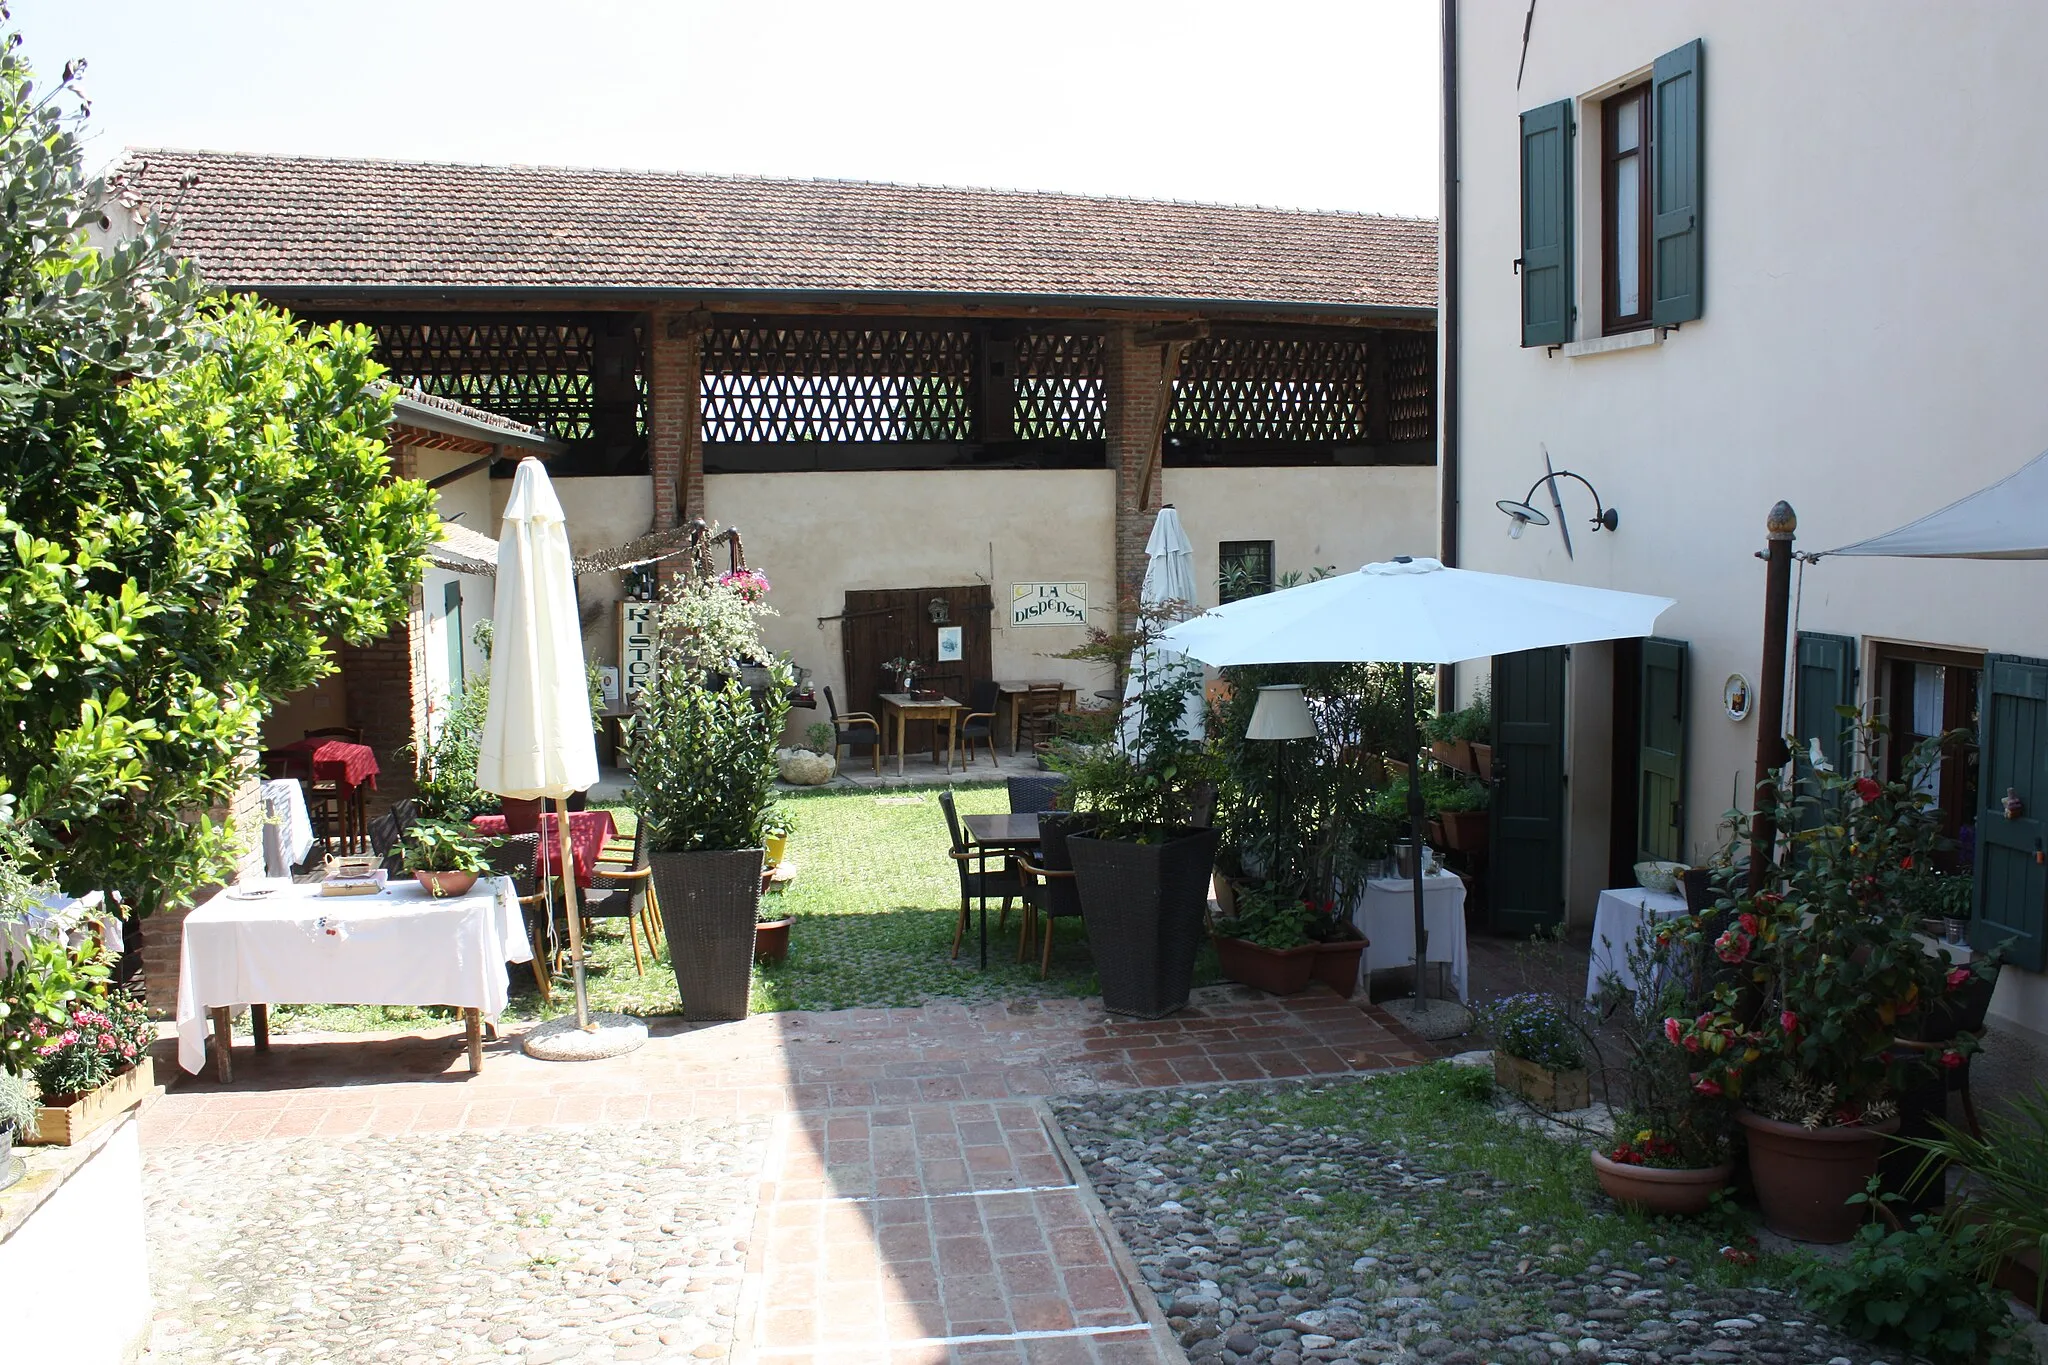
[(1169, 578), (538, 740), (1412, 611)]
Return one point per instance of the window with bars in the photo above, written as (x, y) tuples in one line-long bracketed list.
[(1244, 568), (1058, 393)]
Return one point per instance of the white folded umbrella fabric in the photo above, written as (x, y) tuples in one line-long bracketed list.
[(1169, 577)]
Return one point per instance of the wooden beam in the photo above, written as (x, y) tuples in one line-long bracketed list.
[(1155, 457), (461, 472), (1162, 333)]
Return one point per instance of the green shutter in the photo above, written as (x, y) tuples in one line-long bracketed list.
[(1824, 681), (1526, 870), (1660, 785), (451, 609), (1547, 225), (1677, 178), (2012, 882)]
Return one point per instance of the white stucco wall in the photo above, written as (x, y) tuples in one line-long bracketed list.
[(1870, 349), (101, 1315), (601, 512)]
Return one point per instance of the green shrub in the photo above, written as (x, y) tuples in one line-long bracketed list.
[(1269, 916), (17, 1104), (2006, 1193), (704, 758), (822, 738)]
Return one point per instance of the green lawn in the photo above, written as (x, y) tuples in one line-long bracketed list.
[(875, 899)]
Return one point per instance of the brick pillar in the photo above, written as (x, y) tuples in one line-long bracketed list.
[(387, 700), (675, 443), (1133, 390)]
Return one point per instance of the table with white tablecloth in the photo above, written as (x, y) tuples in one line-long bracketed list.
[(276, 942), (1385, 914), (1620, 914), (287, 826)]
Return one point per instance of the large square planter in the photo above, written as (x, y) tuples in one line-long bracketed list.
[(1144, 905), (1337, 965), (708, 906), (1556, 1091), (63, 1125), (1276, 971)]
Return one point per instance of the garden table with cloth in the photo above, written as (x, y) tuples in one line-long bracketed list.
[(287, 827), (272, 942), (589, 832), (1616, 918), (1385, 913), (352, 768), (905, 707)]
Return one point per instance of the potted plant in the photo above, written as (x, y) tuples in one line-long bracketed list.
[(1142, 872), (812, 766), (2000, 1193), (444, 857), (1819, 975), (703, 749), (1456, 736), (85, 1046), (18, 1114), (1460, 808), (1280, 940), (1537, 1051)]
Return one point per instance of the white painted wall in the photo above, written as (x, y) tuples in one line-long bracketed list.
[(1875, 314), (602, 512), (102, 1315), (1316, 517)]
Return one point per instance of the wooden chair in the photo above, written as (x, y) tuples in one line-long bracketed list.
[(1038, 711), (856, 730), (1049, 891), (979, 724), (352, 733), (979, 882), (626, 893)]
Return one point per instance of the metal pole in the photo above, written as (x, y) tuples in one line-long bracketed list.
[(1771, 751), (566, 867), (1417, 827)]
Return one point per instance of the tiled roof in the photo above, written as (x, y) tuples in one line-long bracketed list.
[(296, 223)]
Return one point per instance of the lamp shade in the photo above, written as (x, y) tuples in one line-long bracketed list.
[(1281, 713)]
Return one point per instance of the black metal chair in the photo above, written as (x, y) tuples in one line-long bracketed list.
[(979, 724), (385, 844), (1049, 891), (978, 882), (856, 730), (1035, 792)]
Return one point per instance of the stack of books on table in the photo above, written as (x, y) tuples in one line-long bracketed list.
[(356, 876)]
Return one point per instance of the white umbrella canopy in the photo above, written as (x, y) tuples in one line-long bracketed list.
[(537, 740), (1412, 610), (2008, 520), (1169, 577)]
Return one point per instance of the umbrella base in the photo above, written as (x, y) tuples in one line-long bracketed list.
[(559, 1040), (1431, 1020)]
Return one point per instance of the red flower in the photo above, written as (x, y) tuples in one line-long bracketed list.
[(1738, 1255), (1732, 946), (1867, 788), (1674, 1031), (1788, 1021), (1951, 1060), (1748, 922), (1906, 863), (1707, 1087), (1957, 977)]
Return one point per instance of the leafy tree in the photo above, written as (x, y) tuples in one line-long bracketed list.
[(194, 498)]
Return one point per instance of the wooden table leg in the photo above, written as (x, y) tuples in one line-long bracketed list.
[(259, 1024), (1013, 723), (473, 1026), (899, 743), (223, 1042), (952, 739)]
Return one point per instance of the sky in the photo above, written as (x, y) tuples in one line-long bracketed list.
[(1289, 103)]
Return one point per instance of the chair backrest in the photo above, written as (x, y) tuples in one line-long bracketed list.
[(1062, 898), (406, 813), (1042, 699), (983, 697), (352, 733), (1202, 805), (514, 858), (289, 763), (831, 706), (384, 843), (1034, 792), (953, 822)]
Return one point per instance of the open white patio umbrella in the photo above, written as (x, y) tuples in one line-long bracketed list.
[(1169, 577), (537, 739), (1412, 611)]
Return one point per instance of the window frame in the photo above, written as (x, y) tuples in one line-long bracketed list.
[(1612, 320), (1230, 557)]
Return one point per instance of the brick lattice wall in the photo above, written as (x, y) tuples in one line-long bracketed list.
[(1133, 390), (675, 443)]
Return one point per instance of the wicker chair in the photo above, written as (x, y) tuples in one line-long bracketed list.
[(514, 857), (1037, 792), (1049, 892), (978, 882), (856, 730)]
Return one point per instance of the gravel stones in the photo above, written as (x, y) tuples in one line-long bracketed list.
[(624, 1243), (1272, 1242)]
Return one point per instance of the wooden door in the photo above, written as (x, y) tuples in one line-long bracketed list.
[(1527, 866), (887, 623)]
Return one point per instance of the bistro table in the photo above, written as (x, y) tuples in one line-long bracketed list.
[(266, 942), (905, 707), (351, 768), (1000, 834), (1385, 913), (1619, 914), (1014, 690), (589, 832)]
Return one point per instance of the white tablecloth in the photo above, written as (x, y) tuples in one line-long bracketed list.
[(1620, 913), (1385, 913), (287, 828), (398, 947)]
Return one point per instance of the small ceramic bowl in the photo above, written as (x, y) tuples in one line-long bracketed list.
[(1658, 875)]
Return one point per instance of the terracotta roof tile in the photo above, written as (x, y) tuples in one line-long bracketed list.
[(286, 223)]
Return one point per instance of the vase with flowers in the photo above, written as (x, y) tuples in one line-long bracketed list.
[(906, 671), (1817, 973)]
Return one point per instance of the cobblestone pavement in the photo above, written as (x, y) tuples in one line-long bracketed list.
[(615, 1244)]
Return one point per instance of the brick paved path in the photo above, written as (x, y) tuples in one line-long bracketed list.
[(914, 1201)]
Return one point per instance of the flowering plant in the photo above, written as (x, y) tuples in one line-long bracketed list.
[(1815, 978), (76, 1055), (750, 584), (900, 667), (1537, 1029)]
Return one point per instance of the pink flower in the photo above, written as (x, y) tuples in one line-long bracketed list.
[(1707, 1087), (1788, 1021), (106, 1041), (1748, 923), (1867, 788), (1674, 1030), (70, 1037), (1952, 1060), (1958, 977)]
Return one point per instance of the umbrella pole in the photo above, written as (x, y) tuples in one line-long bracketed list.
[(567, 867), (1417, 828)]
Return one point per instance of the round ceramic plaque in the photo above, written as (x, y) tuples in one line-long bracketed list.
[(1735, 697)]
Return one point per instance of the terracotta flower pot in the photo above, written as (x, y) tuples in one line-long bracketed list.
[(771, 939), (1655, 1190), (1466, 830), (1337, 965), (522, 813), (1804, 1176), (445, 883), (1276, 971)]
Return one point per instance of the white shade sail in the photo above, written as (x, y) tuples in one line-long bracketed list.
[(537, 739), (2008, 520), (1412, 611), (1169, 577)]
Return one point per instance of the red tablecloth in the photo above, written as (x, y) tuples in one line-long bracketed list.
[(338, 761), (589, 832)]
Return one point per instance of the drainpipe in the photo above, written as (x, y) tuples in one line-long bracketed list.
[(1447, 327)]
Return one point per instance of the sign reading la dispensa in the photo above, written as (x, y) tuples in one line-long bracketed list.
[(1048, 604)]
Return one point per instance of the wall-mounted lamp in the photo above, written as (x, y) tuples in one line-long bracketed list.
[(1281, 712), (1524, 513)]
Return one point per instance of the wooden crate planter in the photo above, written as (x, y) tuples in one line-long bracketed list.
[(1556, 1091), (1466, 830), (61, 1127)]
